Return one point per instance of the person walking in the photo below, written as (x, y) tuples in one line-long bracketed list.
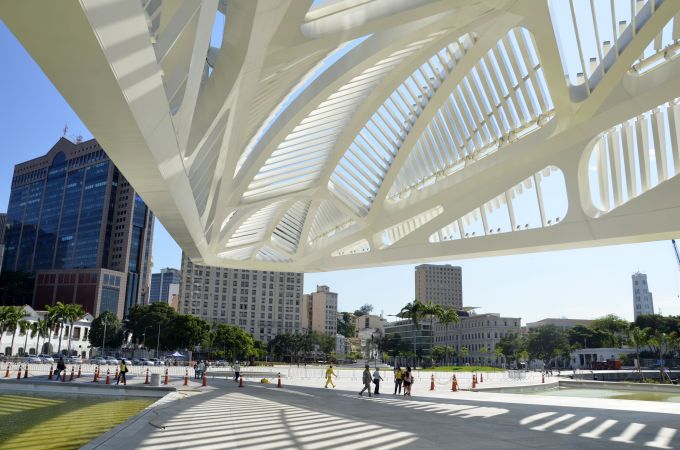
[(366, 378), (121, 372), (237, 371), (329, 376), (398, 379), (408, 381), (376, 380), (61, 368)]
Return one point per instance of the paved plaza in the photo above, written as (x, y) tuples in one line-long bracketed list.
[(260, 416)]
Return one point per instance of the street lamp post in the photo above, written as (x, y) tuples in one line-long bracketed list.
[(106, 319), (158, 340)]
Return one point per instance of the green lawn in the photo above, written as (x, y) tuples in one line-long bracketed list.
[(463, 369)]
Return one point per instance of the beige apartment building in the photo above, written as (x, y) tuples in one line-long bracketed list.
[(369, 321), (440, 284), (261, 302), (320, 311)]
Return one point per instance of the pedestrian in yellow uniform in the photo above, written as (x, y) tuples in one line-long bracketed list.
[(329, 376)]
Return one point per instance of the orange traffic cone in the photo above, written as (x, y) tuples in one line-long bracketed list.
[(147, 376), (454, 384), (205, 381), (432, 382), (7, 373), (542, 378), (166, 376), (19, 373), (240, 383), (186, 377), (108, 376), (474, 381), (26, 372), (49, 376), (481, 377), (79, 371), (279, 385), (116, 374), (73, 373), (96, 374), (63, 375)]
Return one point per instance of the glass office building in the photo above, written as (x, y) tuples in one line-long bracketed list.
[(160, 285), (70, 211)]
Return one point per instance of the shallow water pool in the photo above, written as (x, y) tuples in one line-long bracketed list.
[(59, 421), (611, 393)]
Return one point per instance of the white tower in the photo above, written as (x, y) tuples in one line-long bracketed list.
[(642, 298)]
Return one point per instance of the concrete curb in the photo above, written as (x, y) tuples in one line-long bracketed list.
[(84, 388)]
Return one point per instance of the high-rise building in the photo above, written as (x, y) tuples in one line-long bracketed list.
[(440, 284), (263, 303), (3, 220), (320, 311), (161, 285), (643, 303), (77, 227)]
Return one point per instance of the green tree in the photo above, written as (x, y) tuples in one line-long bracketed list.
[(638, 338), (364, 310), (439, 352), (327, 345), (58, 315), (464, 352), (184, 331), (11, 318), (114, 331), (614, 328), (346, 325), (145, 321), (547, 342), (233, 340), (73, 313), (581, 336), (511, 345), (447, 316), (415, 311), (40, 328)]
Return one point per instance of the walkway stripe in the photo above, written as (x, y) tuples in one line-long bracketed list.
[(575, 425), (663, 438), (629, 433), (535, 417), (601, 428), (547, 425)]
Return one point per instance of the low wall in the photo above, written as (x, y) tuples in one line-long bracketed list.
[(521, 389), (37, 387)]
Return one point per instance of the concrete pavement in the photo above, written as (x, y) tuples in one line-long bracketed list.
[(224, 416)]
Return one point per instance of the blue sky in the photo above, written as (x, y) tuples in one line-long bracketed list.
[(584, 283)]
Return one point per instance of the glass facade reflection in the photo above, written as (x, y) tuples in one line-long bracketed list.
[(71, 209)]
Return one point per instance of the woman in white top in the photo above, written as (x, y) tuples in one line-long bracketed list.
[(376, 380)]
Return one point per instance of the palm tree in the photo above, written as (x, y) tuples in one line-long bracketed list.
[(57, 315), (431, 311), (74, 313), (10, 319), (447, 316), (25, 327), (463, 352), (41, 328), (638, 338), (415, 311)]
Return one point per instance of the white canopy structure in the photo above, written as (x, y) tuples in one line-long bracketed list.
[(291, 135)]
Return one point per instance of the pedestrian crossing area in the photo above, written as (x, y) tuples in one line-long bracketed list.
[(590, 427), (452, 409)]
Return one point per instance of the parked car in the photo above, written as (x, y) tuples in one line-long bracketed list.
[(33, 360), (74, 360), (155, 361), (100, 361), (111, 360), (145, 362), (46, 359), (134, 362)]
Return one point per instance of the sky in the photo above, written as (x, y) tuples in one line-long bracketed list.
[(583, 283)]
